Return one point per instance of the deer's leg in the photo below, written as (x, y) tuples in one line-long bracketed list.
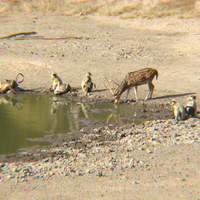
[(127, 95), (136, 93), (151, 87)]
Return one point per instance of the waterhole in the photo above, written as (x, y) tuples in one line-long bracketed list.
[(24, 117)]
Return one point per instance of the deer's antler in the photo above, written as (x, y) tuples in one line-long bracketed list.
[(109, 88), (115, 81)]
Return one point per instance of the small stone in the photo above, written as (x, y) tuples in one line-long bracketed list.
[(3, 165), (132, 164), (99, 174), (149, 151), (17, 170)]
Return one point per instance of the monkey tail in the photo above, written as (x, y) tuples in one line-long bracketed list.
[(18, 76)]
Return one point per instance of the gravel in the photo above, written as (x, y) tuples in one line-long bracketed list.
[(101, 157)]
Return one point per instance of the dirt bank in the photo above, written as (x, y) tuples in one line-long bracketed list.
[(156, 160)]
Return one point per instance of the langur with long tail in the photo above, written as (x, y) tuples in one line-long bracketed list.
[(11, 85)]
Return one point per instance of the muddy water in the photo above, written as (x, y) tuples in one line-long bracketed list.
[(24, 117)]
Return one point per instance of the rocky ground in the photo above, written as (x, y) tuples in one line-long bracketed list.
[(161, 152), (115, 151), (152, 160)]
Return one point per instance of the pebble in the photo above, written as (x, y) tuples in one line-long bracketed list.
[(99, 158)]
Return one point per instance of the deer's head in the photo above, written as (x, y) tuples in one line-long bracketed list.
[(117, 95)]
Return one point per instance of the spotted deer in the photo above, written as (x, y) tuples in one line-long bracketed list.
[(134, 79)]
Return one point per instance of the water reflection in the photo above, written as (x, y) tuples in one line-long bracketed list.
[(6, 99), (32, 116)]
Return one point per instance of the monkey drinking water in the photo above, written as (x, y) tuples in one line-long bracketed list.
[(11, 85)]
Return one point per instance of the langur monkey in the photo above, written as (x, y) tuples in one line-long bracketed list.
[(56, 80), (11, 85), (87, 84), (179, 110), (61, 89), (191, 107), (57, 86)]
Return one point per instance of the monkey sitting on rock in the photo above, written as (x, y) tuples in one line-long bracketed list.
[(57, 85), (191, 107), (179, 110)]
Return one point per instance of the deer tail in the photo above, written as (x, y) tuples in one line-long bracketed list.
[(156, 74)]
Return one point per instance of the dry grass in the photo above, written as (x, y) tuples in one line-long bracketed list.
[(122, 8)]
